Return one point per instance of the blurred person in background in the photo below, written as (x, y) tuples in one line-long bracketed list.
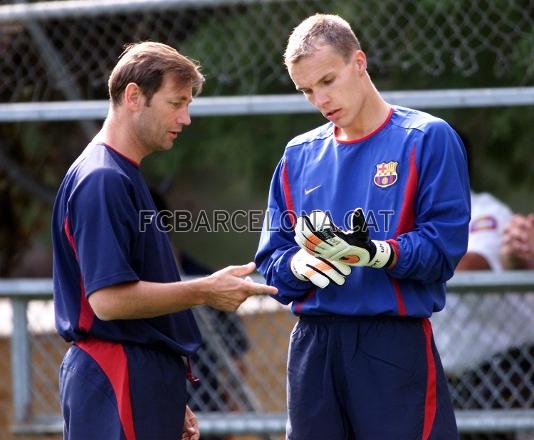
[(517, 250), (489, 217)]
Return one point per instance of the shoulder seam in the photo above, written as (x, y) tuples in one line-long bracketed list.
[(325, 135)]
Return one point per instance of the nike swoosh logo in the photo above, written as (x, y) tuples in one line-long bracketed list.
[(309, 190)]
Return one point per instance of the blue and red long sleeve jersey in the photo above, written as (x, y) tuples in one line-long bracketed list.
[(410, 178)]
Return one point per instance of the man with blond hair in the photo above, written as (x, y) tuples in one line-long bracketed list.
[(367, 219), (117, 291)]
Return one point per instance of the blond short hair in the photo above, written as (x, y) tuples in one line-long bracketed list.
[(317, 30), (146, 65)]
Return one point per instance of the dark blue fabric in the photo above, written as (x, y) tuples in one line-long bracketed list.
[(157, 392), (363, 378), (158, 387), (102, 197), (88, 403)]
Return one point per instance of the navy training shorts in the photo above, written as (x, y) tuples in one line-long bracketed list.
[(116, 391), (368, 378)]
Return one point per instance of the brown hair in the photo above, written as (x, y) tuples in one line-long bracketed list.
[(317, 30), (146, 64)]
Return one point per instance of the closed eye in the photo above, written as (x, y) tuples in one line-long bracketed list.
[(180, 103)]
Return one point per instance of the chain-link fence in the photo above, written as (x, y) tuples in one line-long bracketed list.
[(65, 50), (61, 52), (487, 348), (486, 342)]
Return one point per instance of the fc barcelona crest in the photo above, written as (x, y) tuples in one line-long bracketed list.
[(386, 174)]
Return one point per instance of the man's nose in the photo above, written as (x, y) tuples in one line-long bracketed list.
[(321, 99), (184, 118)]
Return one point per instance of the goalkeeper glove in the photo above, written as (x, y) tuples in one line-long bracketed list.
[(322, 238), (319, 271)]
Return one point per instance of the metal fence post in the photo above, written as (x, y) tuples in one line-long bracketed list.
[(20, 360)]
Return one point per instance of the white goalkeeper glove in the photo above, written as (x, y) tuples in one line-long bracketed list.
[(318, 270), (322, 238)]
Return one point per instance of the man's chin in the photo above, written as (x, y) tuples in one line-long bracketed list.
[(166, 147)]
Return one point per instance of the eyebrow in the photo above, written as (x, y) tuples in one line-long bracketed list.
[(182, 99), (301, 89)]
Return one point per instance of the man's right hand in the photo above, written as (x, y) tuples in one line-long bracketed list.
[(229, 290)]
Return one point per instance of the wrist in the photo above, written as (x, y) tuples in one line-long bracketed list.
[(201, 290), (384, 257), (293, 266)]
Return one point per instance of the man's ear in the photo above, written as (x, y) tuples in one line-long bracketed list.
[(133, 97), (359, 61)]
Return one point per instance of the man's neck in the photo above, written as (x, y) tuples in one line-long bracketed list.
[(373, 114), (121, 138)]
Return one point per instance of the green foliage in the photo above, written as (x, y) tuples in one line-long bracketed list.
[(227, 162), (245, 149), (501, 143), (224, 163)]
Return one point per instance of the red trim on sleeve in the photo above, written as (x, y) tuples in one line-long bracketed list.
[(308, 295), (407, 217), (111, 357), (86, 315), (395, 246), (287, 194), (406, 223), (430, 397)]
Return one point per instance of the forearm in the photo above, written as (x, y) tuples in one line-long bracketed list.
[(143, 299), (422, 259), (223, 290)]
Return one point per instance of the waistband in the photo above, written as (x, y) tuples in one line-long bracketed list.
[(332, 319), (91, 343)]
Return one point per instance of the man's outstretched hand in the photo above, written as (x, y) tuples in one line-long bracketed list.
[(229, 290)]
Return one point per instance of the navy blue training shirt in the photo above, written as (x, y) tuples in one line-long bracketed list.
[(100, 240)]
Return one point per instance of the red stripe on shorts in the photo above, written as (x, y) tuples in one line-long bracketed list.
[(431, 391), (111, 357)]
